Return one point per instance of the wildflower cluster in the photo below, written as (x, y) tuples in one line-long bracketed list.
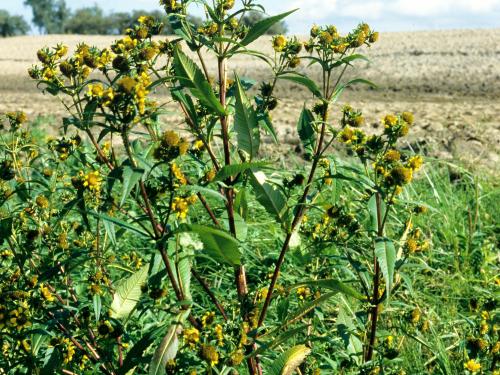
[(170, 147), (327, 39)]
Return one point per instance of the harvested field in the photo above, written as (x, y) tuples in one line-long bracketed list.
[(449, 79)]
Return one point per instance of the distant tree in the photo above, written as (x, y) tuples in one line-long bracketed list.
[(12, 25), (253, 17), (91, 20), (50, 16)]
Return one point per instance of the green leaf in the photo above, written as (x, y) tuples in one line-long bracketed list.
[(246, 124), (135, 355), (241, 203), (184, 275), (190, 76), (96, 301), (372, 209), (131, 176), (127, 294), (235, 169), (288, 362), (261, 27), (166, 351), (109, 227), (120, 223), (349, 59), (386, 256), (304, 81), (347, 329), (342, 87), (334, 285), (308, 307), (306, 131), (240, 225), (219, 245), (269, 197)]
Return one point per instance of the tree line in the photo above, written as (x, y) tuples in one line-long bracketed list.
[(55, 17)]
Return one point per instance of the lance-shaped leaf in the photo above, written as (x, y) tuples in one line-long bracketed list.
[(131, 176), (166, 351), (302, 80), (306, 131), (288, 362), (246, 123), (372, 209), (127, 294), (219, 245), (386, 256), (234, 169), (340, 89), (268, 196), (262, 26), (190, 76)]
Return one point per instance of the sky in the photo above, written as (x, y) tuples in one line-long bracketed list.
[(382, 15)]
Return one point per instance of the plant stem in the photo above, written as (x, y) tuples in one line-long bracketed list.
[(376, 284), (297, 219)]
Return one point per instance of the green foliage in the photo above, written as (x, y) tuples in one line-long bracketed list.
[(130, 247), (12, 25), (49, 16), (253, 18)]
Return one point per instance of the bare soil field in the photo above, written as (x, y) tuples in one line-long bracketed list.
[(449, 79)]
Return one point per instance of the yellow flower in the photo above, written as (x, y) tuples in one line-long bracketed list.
[(390, 120), (472, 366), (127, 84), (191, 336), (207, 318), (484, 328), (262, 295), (392, 156), (18, 318), (92, 180), (401, 175), (415, 316), (209, 354), (46, 294), (219, 334), (181, 207), (145, 20), (407, 117), (61, 50), (95, 91), (279, 43), (68, 351), (415, 163), (176, 171), (303, 292)]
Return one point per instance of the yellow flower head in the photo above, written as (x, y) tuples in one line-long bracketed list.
[(92, 180), (279, 43), (95, 91), (219, 334), (415, 163), (392, 156), (207, 318), (408, 117), (181, 207), (472, 366), (303, 292), (390, 121), (146, 20), (401, 175), (191, 336), (46, 294), (209, 354)]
